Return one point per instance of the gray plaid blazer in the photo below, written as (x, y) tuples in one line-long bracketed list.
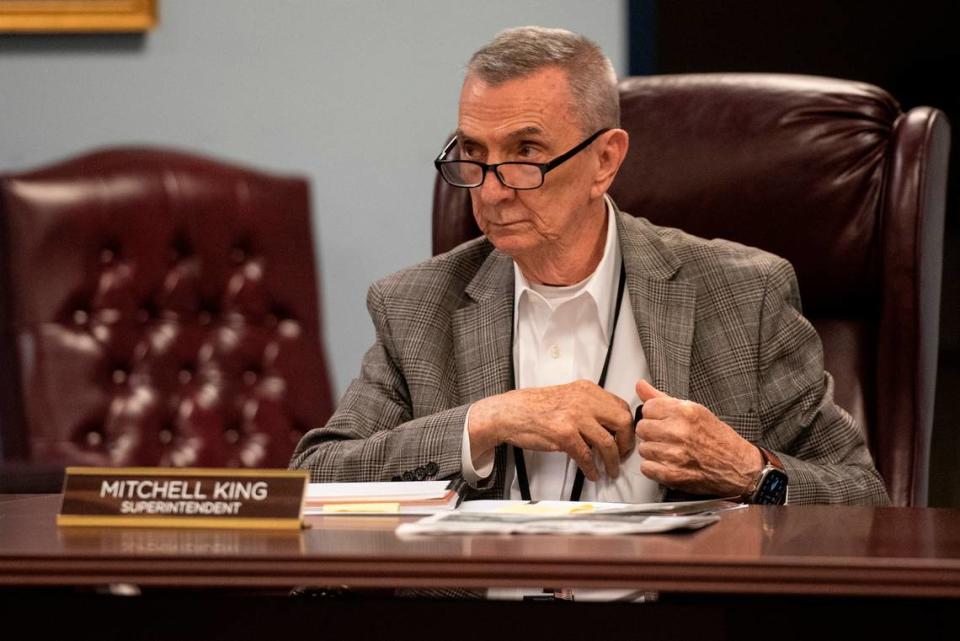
[(719, 322)]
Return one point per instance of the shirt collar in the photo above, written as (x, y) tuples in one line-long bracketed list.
[(601, 285)]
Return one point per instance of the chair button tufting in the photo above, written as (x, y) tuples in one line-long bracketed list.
[(184, 376), (119, 376), (231, 436), (107, 255), (249, 377), (289, 329), (80, 316), (93, 439), (238, 255), (166, 437)]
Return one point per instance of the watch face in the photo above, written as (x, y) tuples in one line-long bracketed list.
[(773, 488)]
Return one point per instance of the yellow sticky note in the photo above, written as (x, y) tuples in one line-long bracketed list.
[(347, 508), (548, 509)]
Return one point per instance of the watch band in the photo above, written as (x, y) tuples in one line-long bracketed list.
[(769, 458), (771, 465)]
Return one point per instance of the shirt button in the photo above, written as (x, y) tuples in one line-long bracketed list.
[(555, 351)]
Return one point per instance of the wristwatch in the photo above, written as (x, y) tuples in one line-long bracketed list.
[(770, 488)]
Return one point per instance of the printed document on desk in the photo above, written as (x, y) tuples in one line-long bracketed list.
[(566, 517)]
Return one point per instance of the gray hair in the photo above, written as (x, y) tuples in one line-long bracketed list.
[(522, 51)]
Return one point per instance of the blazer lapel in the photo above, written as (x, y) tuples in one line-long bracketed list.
[(663, 304), (482, 331)]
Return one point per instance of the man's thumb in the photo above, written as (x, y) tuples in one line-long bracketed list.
[(646, 391)]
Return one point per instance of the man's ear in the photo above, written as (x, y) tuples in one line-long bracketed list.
[(612, 149)]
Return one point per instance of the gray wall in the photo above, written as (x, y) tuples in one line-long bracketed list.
[(358, 95)]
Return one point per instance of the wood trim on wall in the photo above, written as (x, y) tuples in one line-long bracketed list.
[(77, 16)]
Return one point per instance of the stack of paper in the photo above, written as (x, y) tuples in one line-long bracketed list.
[(565, 517), (400, 497)]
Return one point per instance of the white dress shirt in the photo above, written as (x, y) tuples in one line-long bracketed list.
[(560, 336)]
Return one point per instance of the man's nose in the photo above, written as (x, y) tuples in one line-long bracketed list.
[(492, 191)]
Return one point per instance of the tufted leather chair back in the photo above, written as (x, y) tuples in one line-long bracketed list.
[(829, 174), (158, 309)]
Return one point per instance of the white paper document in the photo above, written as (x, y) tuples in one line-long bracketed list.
[(566, 517)]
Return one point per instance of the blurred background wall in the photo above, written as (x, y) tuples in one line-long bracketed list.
[(359, 95)]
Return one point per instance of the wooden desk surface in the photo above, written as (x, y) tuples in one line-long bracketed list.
[(791, 550)]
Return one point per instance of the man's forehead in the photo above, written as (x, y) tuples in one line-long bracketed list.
[(531, 105)]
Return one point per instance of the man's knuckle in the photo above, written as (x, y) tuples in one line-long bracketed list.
[(583, 454), (673, 476), (681, 430), (679, 457)]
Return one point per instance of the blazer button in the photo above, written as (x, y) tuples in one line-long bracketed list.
[(432, 469), (408, 476), (420, 473)]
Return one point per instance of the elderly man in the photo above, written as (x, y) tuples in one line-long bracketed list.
[(518, 360)]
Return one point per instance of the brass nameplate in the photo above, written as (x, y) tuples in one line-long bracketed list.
[(183, 497)]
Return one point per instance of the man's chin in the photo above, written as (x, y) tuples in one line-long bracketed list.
[(509, 243)]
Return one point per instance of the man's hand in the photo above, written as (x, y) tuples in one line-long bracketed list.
[(686, 447), (571, 418)]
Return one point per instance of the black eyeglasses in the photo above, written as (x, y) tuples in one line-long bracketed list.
[(513, 175)]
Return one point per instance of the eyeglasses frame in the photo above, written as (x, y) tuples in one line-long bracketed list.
[(544, 167)]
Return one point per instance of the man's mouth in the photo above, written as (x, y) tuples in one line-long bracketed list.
[(505, 223)]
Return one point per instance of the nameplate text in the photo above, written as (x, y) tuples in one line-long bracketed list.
[(183, 497)]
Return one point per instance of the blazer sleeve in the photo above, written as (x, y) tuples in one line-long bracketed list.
[(373, 435), (821, 446)]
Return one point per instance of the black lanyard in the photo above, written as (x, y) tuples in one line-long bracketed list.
[(518, 452)]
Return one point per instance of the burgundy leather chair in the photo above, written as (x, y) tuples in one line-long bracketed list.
[(158, 308), (829, 174)]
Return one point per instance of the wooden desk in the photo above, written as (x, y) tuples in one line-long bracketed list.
[(794, 555), (792, 550)]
